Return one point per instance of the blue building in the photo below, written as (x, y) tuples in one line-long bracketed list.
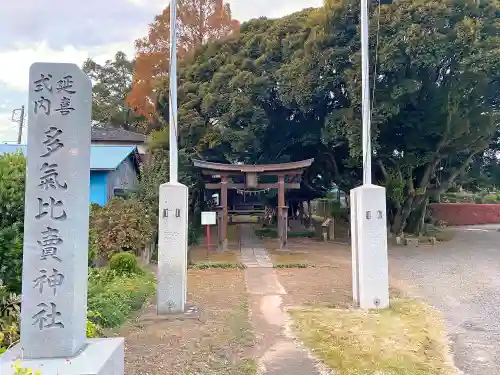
[(114, 170)]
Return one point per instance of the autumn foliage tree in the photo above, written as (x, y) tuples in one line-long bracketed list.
[(199, 22)]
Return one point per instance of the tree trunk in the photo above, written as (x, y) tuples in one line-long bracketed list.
[(401, 216), (415, 219)]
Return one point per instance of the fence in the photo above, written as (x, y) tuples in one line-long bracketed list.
[(466, 213)]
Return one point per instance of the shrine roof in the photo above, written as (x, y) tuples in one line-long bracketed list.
[(247, 168)]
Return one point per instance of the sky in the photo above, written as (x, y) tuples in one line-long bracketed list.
[(72, 31)]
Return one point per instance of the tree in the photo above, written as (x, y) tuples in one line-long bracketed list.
[(112, 84), (437, 93), (12, 183), (290, 88), (199, 22)]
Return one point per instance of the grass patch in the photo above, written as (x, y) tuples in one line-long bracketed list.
[(304, 234), (266, 232), (273, 233), (200, 254), (293, 265), (406, 339), (232, 233), (112, 297), (203, 266), (444, 235), (286, 257)]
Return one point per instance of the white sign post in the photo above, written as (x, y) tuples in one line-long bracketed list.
[(208, 218)]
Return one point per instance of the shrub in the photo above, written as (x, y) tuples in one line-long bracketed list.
[(93, 330), (12, 183), (125, 264), (113, 297), (120, 225), (18, 370), (10, 315), (491, 199), (11, 258)]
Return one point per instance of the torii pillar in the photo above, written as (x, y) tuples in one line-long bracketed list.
[(224, 214), (282, 213)]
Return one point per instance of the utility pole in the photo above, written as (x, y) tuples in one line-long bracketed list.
[(172, 146), (365, 97), (370, 275), (174, 207), (20, 121)]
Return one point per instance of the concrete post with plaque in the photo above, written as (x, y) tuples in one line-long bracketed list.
[(370, 274), (172, 249), (56, 224)]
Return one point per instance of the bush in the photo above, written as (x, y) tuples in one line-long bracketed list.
[(11, 258), (113, 297), (19, 370), (491, 199), (93, 330), (120, 225), (10, 316), (125, 264), (12, 183)]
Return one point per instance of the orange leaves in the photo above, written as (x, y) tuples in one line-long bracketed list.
[(199, 21)]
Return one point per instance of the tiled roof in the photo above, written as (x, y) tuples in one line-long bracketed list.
[(101, 157), (117, 135)]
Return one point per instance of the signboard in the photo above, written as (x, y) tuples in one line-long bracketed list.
[(208, 218)]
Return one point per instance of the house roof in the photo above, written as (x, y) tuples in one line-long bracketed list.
[(116, 135), (102, 158)]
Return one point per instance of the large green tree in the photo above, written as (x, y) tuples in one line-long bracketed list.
[(290, 88), (112, 82)]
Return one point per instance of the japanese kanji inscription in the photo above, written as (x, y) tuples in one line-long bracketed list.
[(56, 217)]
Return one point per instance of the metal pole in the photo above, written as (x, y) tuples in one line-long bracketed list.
[(173, 152), (365, 98)]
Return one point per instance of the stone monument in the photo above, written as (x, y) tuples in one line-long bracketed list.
[(56, 223), (370, 278), (172, 248)]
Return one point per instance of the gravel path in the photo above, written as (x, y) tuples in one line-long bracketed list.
[(462, 279)]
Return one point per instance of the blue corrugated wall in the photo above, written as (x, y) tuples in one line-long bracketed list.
[(98, 187)]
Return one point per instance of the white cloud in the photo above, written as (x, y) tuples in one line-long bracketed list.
[(14, 64), (8, 129)]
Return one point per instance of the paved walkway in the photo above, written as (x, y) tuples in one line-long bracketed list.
[(462, 279), (279, 352)]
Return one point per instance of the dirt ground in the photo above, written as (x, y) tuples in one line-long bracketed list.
[(222, 340), (327, 281), (219, 342)]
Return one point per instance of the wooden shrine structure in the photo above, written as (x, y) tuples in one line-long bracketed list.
[(243, 176)]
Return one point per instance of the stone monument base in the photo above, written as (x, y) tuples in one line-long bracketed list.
[(99, 357)]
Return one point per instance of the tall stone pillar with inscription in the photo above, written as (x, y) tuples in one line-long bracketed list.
[(370, 278), (56, 224), (172, 249)]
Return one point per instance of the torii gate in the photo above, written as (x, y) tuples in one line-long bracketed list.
[(288, 177)]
